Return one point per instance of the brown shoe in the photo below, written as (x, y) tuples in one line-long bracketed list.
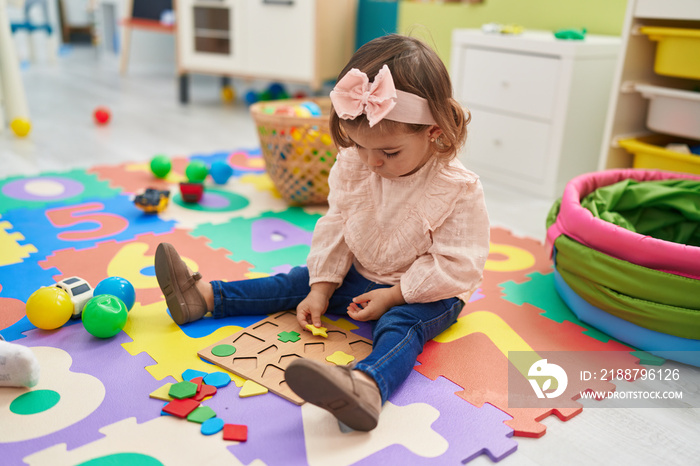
[(179, 286), (353, 401)]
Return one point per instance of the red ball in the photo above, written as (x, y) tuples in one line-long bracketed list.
[(102, 115)]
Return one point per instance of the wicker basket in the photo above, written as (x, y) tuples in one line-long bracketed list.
[(298, 151)]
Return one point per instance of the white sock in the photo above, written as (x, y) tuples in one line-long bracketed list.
[(18, 366)]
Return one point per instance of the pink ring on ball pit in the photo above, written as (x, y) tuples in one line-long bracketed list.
[(580, 224)]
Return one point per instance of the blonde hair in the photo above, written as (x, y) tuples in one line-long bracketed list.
[(417, 69)]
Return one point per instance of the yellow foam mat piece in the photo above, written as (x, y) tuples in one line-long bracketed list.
[(155, 333), (11, 252)]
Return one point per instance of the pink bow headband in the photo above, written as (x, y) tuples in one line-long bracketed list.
[(354, 95)]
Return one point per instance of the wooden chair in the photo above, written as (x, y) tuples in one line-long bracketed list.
[(131, 22)]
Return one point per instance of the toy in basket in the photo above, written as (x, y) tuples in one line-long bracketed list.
[(297, 147)]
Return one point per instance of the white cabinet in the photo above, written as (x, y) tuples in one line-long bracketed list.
[(209, 36), (303, 41), (538, 105), (629, 112), (287, 32)]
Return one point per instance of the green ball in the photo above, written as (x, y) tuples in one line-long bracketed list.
[(161, 166), (196, 172), (104, 316)]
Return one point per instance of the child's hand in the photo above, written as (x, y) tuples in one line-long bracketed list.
[(373, 305), (310, 310)]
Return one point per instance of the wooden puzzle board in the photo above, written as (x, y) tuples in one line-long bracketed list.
[(262, 356)]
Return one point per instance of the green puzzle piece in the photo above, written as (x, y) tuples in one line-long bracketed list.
[(201, 414), (286, 337), (182, 390), (236, 236), (540, 292), (648, 359)]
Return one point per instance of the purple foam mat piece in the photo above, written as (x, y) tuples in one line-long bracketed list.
[(127, 386), (364, 329), (470, 431), (271, 234), (285, 268), (52, 188), (271, 420)]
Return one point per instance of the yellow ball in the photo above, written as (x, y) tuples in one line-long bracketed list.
[(49, 307), (228, 94), (302, 112), (21, 127), (311, 135)]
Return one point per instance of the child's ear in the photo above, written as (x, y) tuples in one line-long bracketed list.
[(434, 132)]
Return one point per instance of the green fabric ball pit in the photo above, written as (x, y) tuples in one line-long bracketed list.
[(649, 298)]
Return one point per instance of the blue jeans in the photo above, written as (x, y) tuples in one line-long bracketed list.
[(399, 335)]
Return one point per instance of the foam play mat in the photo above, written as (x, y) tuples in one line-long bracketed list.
[(120, 400)]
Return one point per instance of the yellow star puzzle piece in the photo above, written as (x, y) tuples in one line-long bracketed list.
[(320, 331), (340, 358), (251, 388), (162, 393)]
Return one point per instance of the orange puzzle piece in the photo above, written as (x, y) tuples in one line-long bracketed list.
[(475, 362)]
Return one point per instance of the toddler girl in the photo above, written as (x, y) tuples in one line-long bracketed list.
[(403, 244)]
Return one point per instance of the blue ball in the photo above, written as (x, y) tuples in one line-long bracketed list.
[(312, 107), (119, 287), (220, 171), (276, 90), (251, 97)]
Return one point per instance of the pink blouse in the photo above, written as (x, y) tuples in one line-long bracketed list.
[(428, 232)]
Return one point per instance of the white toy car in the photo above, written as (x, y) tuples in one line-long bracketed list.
[(79, 291)]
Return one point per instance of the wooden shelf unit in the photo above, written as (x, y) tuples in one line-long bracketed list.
[(627, 112)]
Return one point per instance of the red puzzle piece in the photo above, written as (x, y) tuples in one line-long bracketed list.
[(236, 432), (181, 408), (11, 311), (205, 391), (475, 363), (199, 381), (133, 256)]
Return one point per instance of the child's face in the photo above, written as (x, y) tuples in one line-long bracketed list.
[(396, 154)]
